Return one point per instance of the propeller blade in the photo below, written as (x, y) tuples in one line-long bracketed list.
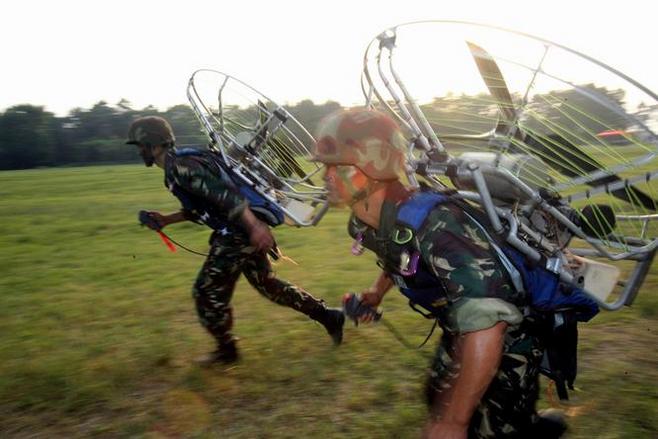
[(493, 78), (566, 157), (279, 149), (573, 162)]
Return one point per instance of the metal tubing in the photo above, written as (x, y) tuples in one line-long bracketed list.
[(403, 109), (542, 204), (631, 287), (317, 195), (606, 173), (591, 253), (482, 188), (637, 278), (429, 132)]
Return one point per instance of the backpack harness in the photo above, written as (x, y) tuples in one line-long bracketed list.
[(556, 306), (209, 214)]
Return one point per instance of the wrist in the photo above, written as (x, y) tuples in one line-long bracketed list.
[(371, 292), (172, 218)]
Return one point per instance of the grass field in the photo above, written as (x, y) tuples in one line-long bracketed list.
[(98, 332)]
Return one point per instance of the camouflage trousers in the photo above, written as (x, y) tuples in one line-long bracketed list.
[(507, 409), (230, 256)]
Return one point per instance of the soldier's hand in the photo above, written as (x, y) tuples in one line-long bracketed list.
[(261, 238), (371, 298), (156, 220), (357, 311)]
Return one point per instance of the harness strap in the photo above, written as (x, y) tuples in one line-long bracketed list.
[(397, 241), (414, 211), (264, 209)]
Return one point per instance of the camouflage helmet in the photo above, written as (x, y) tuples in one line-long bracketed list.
[(150, 130), (369, 140)]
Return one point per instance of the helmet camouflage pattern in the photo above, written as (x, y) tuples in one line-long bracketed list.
[(369, 140), (150, 130)]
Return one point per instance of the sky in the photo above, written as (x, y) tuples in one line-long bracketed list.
[(65, 54)]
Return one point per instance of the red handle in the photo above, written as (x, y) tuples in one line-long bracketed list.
[(166, 240)]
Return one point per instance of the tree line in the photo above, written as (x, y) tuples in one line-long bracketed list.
[(32, 137)]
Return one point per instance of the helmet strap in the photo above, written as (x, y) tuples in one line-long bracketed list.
[(148, 157), (360, 195), (364, 194)]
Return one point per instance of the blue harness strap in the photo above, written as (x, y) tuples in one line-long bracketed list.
[(415, 281), (414, 211), (182, 152)]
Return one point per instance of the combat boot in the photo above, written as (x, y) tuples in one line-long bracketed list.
[(551, 424), (226, 353), (333, 320)]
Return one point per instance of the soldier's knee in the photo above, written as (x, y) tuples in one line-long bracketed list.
[(265, 284), (260, 279), (200, 287)]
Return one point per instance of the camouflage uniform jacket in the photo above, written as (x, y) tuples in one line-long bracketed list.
[(457, 262), (205, 192)]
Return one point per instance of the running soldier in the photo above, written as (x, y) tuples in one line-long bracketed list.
[(239, 243), (483, 381)]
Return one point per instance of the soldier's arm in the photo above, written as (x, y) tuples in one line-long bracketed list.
[(163, 220), (478, 355), (373, 296)]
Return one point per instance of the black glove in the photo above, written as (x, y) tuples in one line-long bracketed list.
[(146, 219), (353, 308)]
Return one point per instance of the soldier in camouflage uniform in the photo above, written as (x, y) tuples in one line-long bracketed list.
[(238, 244), (483, 381)]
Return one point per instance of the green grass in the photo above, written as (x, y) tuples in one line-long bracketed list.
[(98, 332)]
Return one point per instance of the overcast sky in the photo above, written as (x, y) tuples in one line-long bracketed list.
[(65, 54)]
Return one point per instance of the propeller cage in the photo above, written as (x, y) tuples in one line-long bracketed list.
[(261, 142), (526, 140)]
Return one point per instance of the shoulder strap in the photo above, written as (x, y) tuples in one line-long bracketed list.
[(413, 212), (399, 225), (386, 220), (182, 152)]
